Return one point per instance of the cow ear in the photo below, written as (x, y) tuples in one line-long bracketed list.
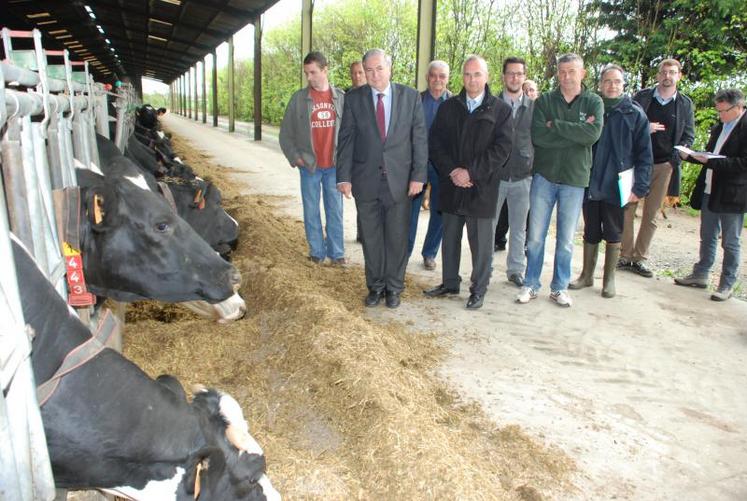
[(96, 208), (201, 463)]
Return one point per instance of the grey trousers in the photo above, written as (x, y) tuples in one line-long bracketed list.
[(480, 234), (385, 225), (516, 193)]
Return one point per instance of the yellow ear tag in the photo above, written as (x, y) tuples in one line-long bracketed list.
[(98, 209)]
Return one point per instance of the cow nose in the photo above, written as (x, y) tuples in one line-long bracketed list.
[(235, 278)]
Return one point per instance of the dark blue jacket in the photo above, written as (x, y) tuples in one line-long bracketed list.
[(625, 142), (684, 131)]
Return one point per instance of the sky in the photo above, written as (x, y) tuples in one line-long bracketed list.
[(243, 41)]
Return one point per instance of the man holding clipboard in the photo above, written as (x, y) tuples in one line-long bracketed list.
[(721, 195), (620, 173)]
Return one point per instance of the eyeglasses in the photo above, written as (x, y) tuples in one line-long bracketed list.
[(727, 109), (511, 74)]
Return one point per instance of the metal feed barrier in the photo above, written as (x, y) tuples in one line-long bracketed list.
[(49, 117)]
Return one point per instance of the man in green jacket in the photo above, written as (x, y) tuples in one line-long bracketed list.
[(565, 125)]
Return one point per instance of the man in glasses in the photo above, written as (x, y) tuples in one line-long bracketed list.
[(516, 177), (672, 123), (721, 195)]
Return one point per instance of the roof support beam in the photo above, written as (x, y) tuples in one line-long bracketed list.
[(197, 97), (204, 94), (258, 78), (215, 89), (426, 41), (307, 12), (231, 111)]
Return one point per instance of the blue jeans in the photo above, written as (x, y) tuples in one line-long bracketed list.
[(435, 224), (543, 197), (730, 227), (322, 182)]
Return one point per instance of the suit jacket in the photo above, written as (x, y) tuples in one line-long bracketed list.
[(361, 155), (729, 181)]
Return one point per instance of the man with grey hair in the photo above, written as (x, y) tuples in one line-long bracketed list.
[(721, 195), (382, 159), (623, 149), (566, 123), (432, 97), (469, 144)]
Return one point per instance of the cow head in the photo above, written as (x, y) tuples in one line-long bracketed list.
[(232, 465), (147, 116), (199, 202), (134, 246)]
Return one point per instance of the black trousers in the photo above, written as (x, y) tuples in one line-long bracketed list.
[(480, 237), (385, 225), (603, 221)]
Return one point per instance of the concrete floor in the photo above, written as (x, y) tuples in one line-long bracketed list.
[(645, 391)]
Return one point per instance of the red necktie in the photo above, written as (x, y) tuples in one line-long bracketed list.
[(380, 117)]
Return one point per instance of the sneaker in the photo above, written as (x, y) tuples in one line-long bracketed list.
[(641, 268), (516, 279), (692, 281), (429, 263), (562, 298), (340, 261), (722, 294), (624, 263), (525, 295), (316, 260)]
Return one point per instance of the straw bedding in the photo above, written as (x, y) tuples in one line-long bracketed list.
[(344, 407)]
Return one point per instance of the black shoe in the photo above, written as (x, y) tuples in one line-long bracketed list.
[(500, 246), (641, 268), (516, 279), (392, 299), (374, 298), (475, 301), (440, 290)]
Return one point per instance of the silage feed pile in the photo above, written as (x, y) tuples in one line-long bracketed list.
[(344, 407)]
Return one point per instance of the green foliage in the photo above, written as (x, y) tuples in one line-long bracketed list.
[(157, 100)]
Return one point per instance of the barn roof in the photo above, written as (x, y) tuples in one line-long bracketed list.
[(159, 39)]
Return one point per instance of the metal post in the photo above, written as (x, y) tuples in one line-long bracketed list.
[(231, 110), (215, 89), (258, 78), (189, 93), (197, 97), (307, 13), (204, 93), (426, 41)]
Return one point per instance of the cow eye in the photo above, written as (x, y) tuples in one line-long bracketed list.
[(162, 227)]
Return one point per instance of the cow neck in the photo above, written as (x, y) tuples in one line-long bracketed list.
[(107, 327)]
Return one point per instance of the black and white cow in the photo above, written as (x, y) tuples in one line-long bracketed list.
[(135, 247), (109, 426), (197, 201)]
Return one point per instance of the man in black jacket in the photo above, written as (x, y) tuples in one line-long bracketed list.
[(721, 195), (672, 123), (469, 144)]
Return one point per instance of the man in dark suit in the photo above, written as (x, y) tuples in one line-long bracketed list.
[(470, 143), (382, 156), (721, 195)]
